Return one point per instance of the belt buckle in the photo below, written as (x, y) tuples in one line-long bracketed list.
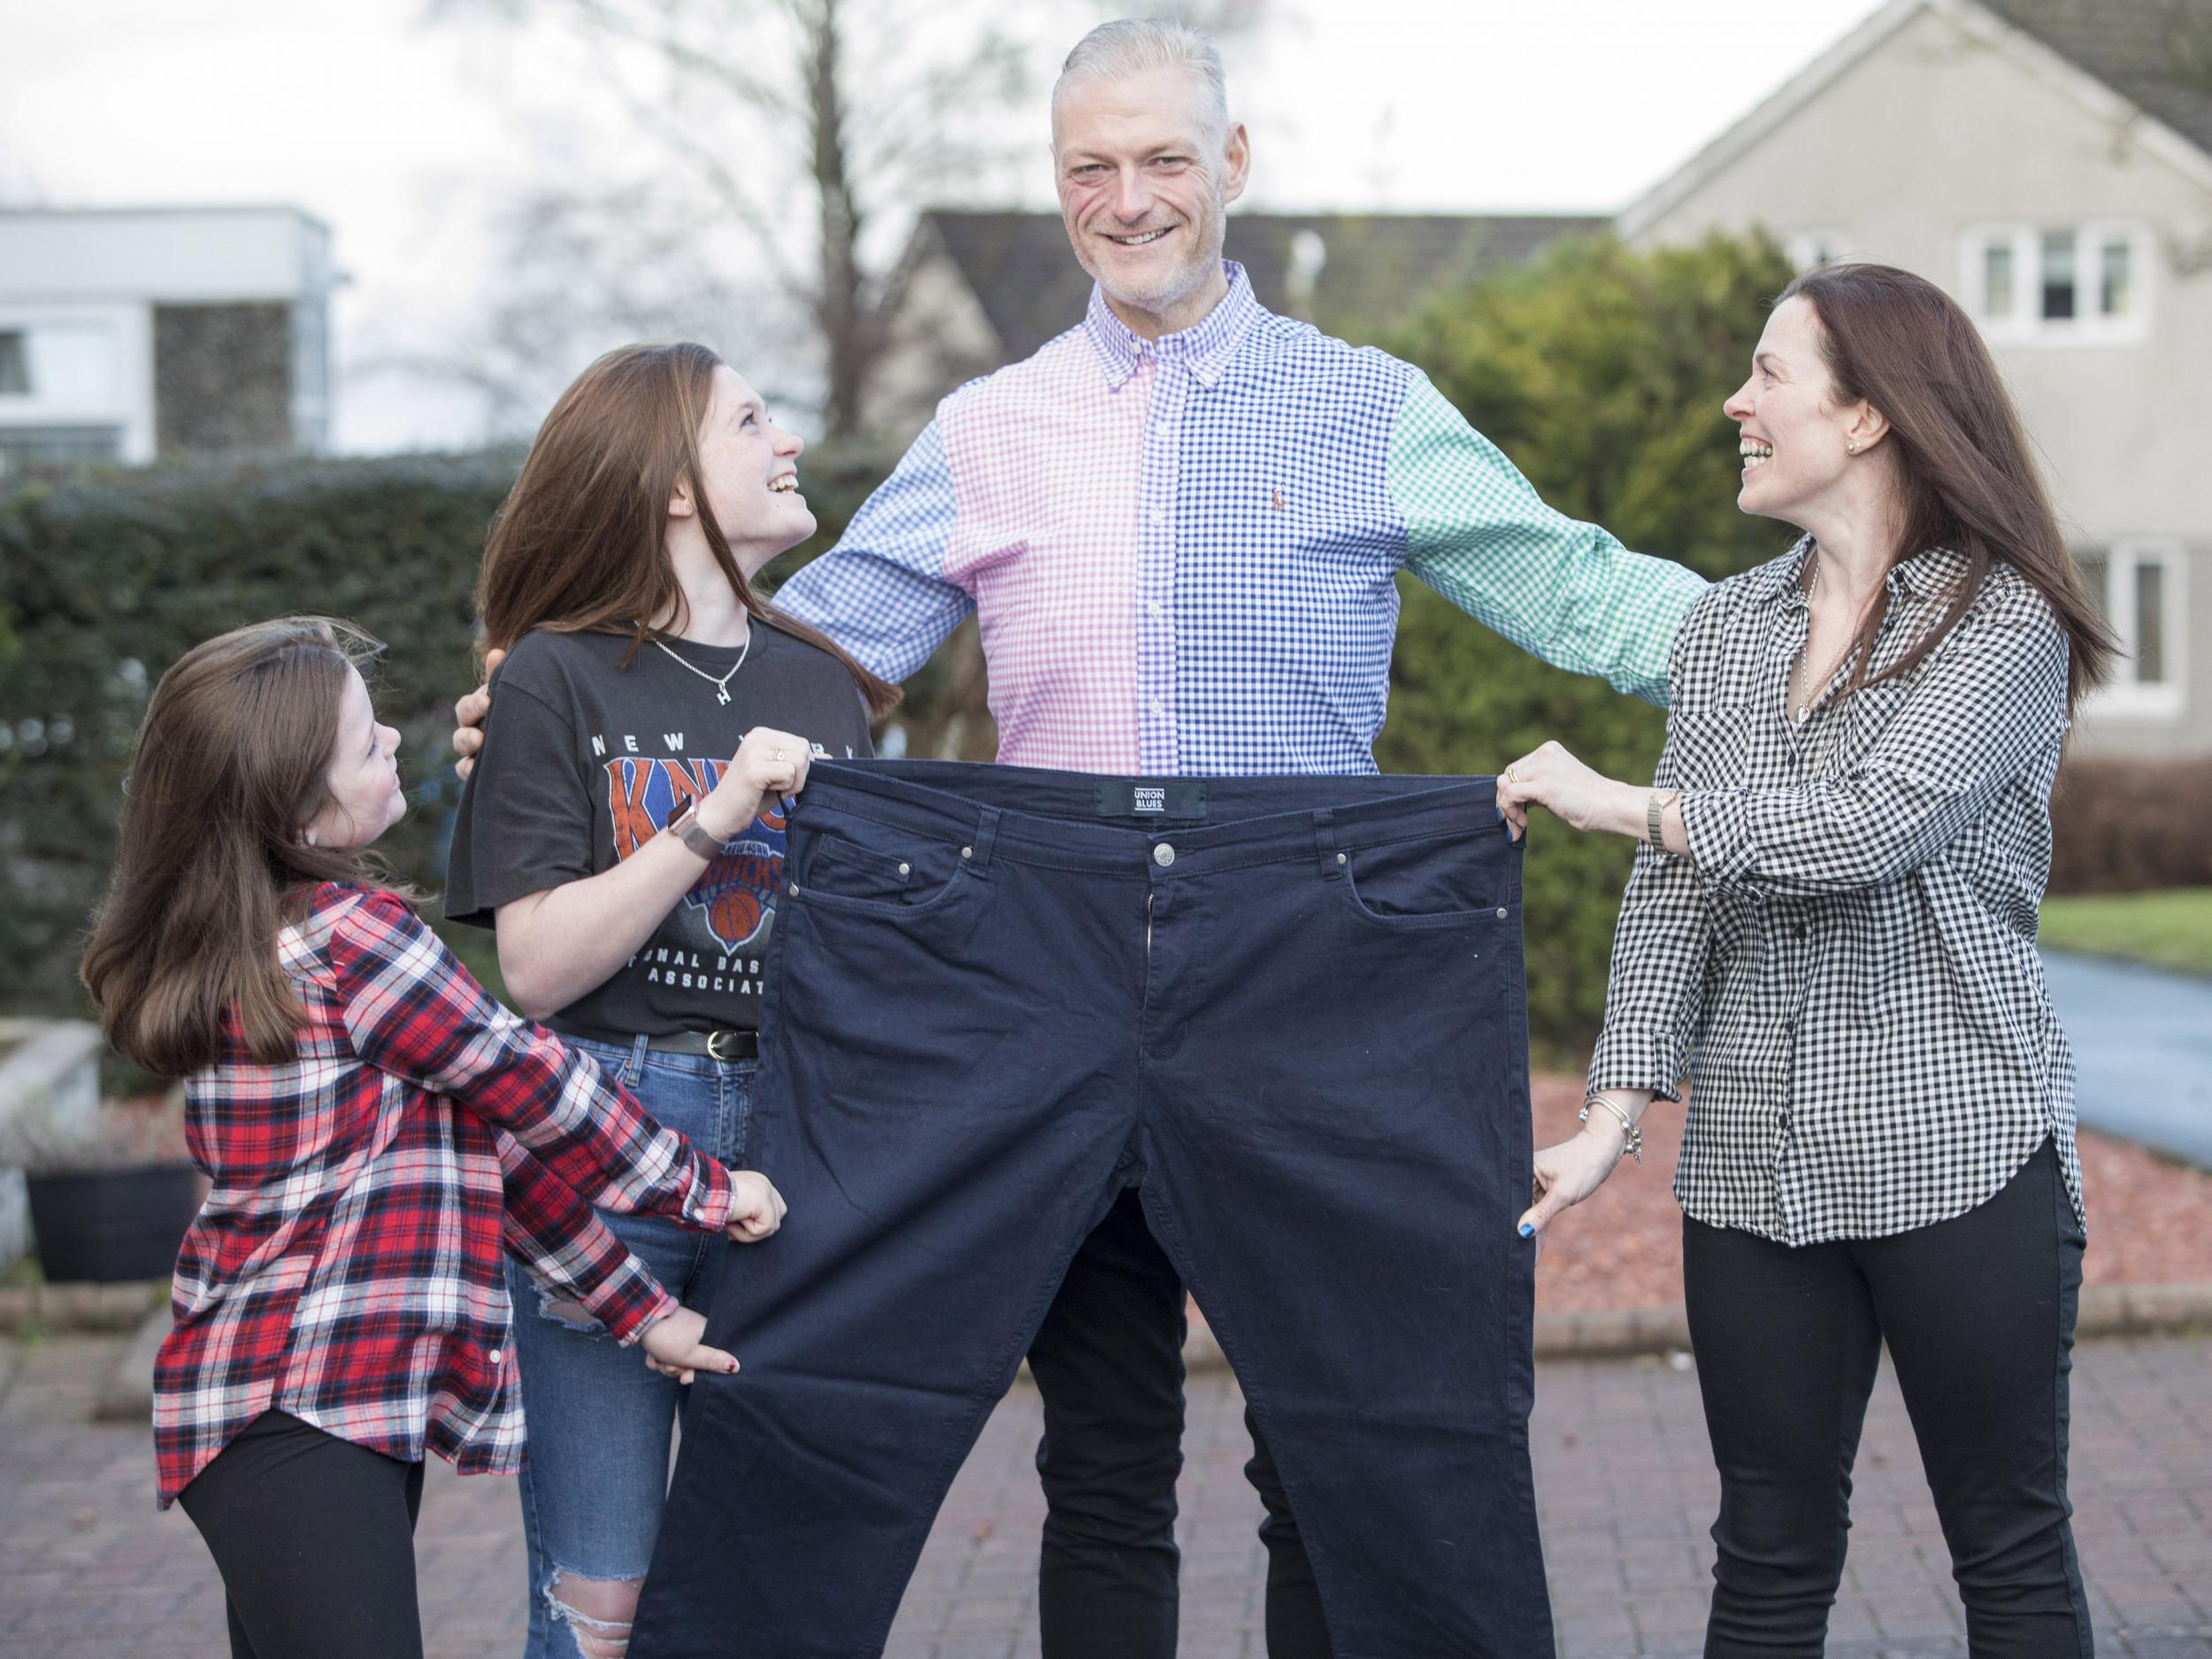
[(714, 1047)]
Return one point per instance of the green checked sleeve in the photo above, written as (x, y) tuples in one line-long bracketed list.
[(1479, 534)]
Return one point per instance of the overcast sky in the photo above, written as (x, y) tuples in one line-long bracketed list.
[(401, 132)]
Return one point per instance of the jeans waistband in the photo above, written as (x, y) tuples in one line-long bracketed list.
[(1029, 814)]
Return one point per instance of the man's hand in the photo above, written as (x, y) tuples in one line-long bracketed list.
[(672, 1347), (757, 1207), (468, 718)]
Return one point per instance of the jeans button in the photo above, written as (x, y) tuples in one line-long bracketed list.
[(1164, 854)]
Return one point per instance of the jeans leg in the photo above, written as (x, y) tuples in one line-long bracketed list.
[(1787, 1348), (1109, 1365), (1979, 1315), (1297, 1627)]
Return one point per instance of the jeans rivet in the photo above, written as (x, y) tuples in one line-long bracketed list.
[(1339, 858), (967, 852), (793, 890), (1501, 912), (906, 870)]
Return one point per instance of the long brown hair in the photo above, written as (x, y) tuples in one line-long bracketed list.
[(232, 761), (1969, 480), (580, 545)]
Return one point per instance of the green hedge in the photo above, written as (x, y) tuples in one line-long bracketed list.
[(106, 579), (1600, 372)]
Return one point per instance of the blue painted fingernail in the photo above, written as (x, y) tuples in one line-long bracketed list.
[(1527, 1232)]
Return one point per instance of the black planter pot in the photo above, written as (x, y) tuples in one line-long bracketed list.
[(109, 1227)]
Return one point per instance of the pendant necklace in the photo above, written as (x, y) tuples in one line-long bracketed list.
[(721, 683)]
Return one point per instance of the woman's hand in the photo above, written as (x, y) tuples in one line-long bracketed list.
[(757, 1207), (1570, 1171), (1550, 776), (767, 760), (672, 1347)]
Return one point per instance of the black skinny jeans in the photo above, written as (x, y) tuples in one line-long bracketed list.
[(315, 1539), (1978, 1314), (1109, 1365)]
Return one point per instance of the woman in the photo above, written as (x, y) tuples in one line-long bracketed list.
[(1831, 921), (621, 832), (376, 1129)]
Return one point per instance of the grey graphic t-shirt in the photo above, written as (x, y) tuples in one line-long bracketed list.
[(584, 762)]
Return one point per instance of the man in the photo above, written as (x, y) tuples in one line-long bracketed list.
[(1179, 522)]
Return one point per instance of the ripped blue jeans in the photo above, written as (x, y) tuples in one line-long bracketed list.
[(599, 1423)]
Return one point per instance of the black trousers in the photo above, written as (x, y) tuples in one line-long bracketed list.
[(1978, 1314), (315, 1539), (1109, 1366)]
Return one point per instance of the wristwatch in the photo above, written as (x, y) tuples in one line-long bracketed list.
[(685, 827)]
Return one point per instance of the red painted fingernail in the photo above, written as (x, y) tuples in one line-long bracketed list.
[(733, 1364)]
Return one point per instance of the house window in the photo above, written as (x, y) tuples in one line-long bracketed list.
[(2138, 586), (15, 365), (2057, 282), (1810, 249), (25, 450)]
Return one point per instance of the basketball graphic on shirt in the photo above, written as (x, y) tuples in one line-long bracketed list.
[(733, 905)]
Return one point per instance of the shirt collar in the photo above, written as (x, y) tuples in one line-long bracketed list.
[(1206, 347), (1920, 577)]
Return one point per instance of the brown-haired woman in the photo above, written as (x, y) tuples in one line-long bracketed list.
[(376, 1128), (1832, 924), (622, 832)]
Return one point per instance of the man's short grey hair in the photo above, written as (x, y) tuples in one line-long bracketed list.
[(1137, 46)]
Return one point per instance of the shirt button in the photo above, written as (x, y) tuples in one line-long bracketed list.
[(1158, 707), (497, 1355), (1159, 515), (1155, 607), (1164, 854)]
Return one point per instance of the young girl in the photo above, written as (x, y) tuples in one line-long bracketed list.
[(376, 1129), (629, 864)]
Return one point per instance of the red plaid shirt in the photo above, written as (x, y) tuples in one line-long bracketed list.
[(346, 1266)]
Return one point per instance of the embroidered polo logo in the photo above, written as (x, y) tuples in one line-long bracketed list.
[(1279, 501)]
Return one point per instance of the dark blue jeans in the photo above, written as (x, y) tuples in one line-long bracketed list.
[(1288, 1011)]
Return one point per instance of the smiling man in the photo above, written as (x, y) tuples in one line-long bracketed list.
[(1179, 524)]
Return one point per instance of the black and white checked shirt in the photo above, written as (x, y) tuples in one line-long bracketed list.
[(1846, 963)]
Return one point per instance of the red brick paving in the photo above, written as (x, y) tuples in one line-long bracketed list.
[(2150, 1219), (89, 1570)]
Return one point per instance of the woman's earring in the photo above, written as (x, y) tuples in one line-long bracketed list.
[(1851, 449)]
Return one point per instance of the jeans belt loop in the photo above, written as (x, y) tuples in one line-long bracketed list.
[(1324, 848), (634, 1067), (986, 835)]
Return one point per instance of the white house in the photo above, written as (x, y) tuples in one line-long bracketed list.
[(129, 333), (2049, 161)]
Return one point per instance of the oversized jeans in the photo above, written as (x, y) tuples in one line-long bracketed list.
[(1289, 1011)]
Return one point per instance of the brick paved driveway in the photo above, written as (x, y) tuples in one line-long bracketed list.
[(87, 1570)]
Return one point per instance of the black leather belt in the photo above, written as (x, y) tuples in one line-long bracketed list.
[(730, 1043)]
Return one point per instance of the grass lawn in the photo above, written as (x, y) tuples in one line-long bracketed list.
[(2172, 929)]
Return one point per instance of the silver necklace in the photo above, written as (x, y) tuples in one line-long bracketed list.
[(1813, 687), (721, 683)]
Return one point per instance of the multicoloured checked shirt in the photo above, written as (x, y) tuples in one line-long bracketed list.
[(346, 1266), (1182, 552)]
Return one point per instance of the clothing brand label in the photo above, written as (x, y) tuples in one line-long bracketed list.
[(1152, 797)]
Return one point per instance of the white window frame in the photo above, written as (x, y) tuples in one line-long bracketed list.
[(2027, 324), (1804, 247), (129, 408), (2122, 694)]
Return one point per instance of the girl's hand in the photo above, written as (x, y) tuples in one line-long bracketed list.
[(1550, 776), (757, 1207), (1570, 1172), (672, 1347), (768, 761)]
